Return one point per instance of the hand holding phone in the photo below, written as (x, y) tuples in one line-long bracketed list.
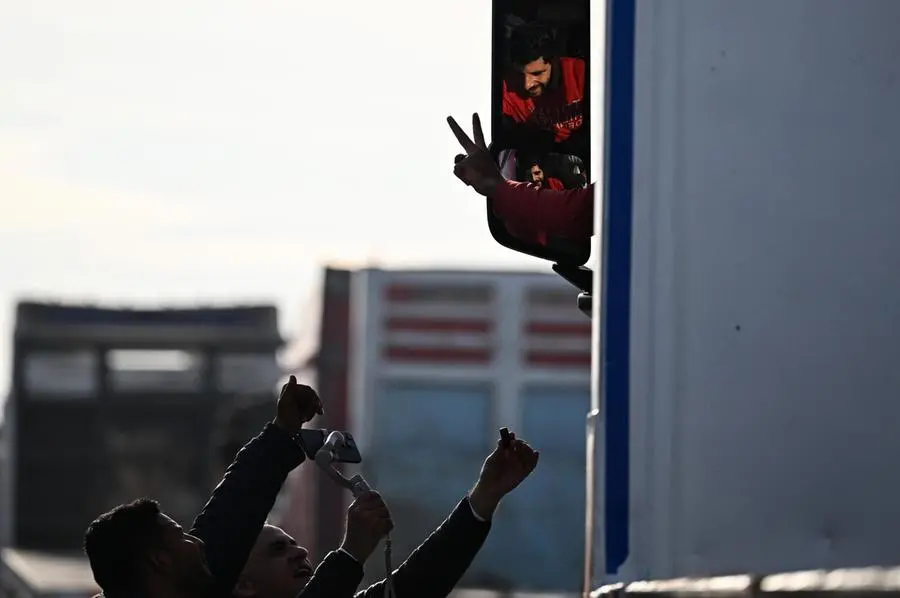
[(313, 439)]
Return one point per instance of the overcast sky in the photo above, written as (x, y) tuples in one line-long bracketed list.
[(168, 151)]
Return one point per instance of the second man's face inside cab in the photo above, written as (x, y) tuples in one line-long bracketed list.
[(537, 175), (277, 567)]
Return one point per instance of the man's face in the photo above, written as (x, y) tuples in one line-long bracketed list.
[(537, 76), (537, 175), (185, 557), (276, 568)]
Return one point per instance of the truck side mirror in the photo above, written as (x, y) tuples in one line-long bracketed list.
[(540, 123)]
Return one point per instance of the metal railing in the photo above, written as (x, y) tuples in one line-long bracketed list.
[(864, 582)]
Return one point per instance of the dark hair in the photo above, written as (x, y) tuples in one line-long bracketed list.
[(527, 43), (115, 542)]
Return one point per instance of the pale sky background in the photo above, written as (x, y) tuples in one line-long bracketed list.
[(182, 151)]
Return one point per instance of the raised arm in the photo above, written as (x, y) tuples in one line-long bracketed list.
[(233, 518), (437, 565), (568, 214), (565, 213)]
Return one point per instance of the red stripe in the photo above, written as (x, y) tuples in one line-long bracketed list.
[(430, 293), (397, 292), (558, 359), (558, 328), (442, 355), (423, 325)]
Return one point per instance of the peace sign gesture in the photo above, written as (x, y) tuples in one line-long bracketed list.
[(477, 168)]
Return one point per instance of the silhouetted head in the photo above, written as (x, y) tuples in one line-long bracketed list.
[(135, 549)]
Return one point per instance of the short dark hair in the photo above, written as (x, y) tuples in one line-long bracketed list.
[(529, 42), (115, 542)]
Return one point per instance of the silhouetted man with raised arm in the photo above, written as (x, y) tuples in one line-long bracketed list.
[(136, 551), (279, 568)]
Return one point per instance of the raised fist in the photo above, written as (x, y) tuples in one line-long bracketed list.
[(508, 466), (504, 469), (297, 404)]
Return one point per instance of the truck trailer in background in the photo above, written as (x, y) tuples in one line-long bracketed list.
[(108, 405), (423, 367)]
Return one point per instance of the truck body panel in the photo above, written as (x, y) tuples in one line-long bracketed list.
[(754, 243)]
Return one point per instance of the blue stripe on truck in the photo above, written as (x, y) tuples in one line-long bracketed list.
[(617, 317)]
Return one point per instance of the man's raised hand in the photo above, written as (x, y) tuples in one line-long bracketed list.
[(368, 521), (297, 404), (504, 469), (477, 168)]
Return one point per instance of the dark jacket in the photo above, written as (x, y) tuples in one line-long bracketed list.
[(233, 518), (431, 571)]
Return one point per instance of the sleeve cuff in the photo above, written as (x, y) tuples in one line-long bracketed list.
[(474, 512), (501, 200)]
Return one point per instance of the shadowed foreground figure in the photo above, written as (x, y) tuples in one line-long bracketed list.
[(279, 568), (136, 551)]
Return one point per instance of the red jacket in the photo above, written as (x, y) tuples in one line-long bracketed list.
[(552, 183), (559, 110), (532, 213)]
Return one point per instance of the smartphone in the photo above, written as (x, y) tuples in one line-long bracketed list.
[(314, 438), (504, 436)]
